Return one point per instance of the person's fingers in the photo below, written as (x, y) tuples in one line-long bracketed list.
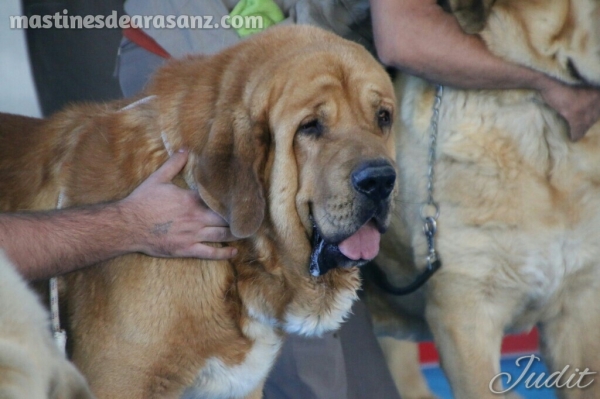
[(576, 133), (216, 234), (578, 127), (204, 251), (171, 167)]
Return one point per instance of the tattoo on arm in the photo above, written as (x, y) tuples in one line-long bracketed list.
[(161, 229)]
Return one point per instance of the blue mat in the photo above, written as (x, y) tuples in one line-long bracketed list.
[(439, 384)]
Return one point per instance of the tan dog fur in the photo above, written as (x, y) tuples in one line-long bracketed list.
[(146, 327), (519, 208)]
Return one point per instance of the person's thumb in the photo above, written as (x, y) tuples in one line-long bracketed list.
[(171, 167), (576, 135)]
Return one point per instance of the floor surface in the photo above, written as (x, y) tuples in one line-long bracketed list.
[(439, 384)]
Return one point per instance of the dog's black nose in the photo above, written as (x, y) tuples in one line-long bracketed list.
[(375, 180)]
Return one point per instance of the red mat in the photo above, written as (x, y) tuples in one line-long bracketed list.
[(512, 344)]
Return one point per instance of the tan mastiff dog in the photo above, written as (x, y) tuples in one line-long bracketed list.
[(290, 141)]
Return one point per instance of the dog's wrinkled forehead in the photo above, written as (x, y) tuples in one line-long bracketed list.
[(323, 82)]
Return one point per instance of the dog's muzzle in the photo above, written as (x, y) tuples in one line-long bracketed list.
[(373, 183)]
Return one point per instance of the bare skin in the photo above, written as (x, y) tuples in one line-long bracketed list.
[(418, 37), (157, 218)]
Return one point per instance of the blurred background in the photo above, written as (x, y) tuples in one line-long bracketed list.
[(42, 70)]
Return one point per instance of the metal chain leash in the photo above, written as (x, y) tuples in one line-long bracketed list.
[(430, 210)]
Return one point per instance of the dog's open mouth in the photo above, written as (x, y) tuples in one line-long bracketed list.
[(355, 250)]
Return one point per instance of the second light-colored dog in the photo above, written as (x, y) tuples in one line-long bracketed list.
[(519, 206)]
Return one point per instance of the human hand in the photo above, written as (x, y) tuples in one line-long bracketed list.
[(168, 221), (578, 105)]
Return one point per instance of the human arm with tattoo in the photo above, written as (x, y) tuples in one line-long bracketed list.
[(157, 218)]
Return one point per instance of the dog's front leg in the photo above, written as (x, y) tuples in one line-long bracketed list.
[(569, 340), (402, 358), (467, 326)]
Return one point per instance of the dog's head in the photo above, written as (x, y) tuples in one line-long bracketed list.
[(560, 38), (291, 142)]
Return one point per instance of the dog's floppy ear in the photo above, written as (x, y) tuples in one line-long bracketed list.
[(229, 169), (471, 14)]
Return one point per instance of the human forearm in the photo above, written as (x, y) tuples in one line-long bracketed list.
[(44, 244), (418, 37), (157, 218)]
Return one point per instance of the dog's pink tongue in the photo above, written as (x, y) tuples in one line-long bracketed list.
[(364, 244)]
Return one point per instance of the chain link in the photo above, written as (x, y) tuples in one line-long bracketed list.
[(430, 210), (429, 213)]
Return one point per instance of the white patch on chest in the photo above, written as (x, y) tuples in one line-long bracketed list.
[(307, 322), (218, 380)]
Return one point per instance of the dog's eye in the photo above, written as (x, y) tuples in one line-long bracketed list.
[(311, 128), (384, 118)]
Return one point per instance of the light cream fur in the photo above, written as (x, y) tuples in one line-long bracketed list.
[(31, 366), (519, 232)]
